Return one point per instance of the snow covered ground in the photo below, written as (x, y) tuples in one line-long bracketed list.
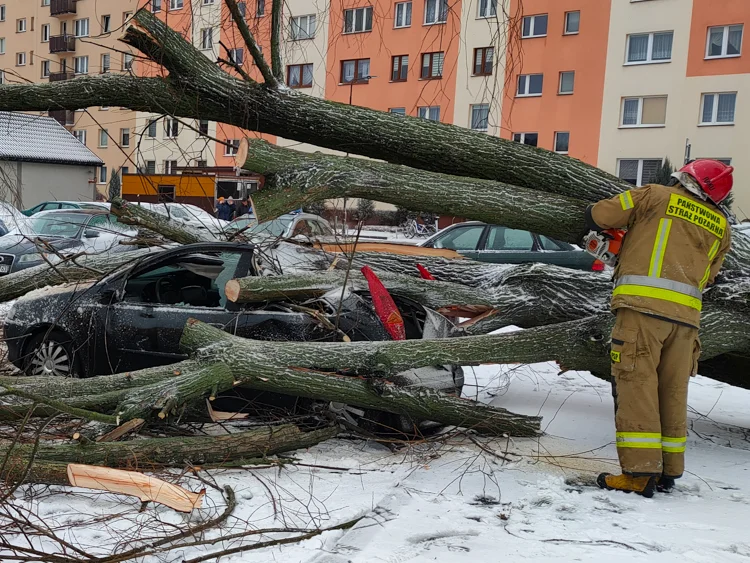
[(457, 502)]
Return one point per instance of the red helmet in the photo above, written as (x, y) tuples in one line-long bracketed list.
[(714, 177)]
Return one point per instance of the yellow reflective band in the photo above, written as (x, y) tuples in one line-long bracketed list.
[(644, 445), (660, 248), (673, 450), (697, 214), (656, 293), (656, 435), (615, 356), (711, 255), (626, 200)]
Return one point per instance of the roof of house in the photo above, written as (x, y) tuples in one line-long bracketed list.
[(33, 138)]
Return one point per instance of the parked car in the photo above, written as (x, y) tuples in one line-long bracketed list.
[(240, 223), (291, 225), (134, 317), (65, 232), (55, 205), (187, 214), (501, 245), (11, 219)]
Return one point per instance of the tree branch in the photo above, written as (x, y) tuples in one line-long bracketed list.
[(252, 46), (278, 69)]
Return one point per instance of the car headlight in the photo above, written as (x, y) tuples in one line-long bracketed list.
[(38, 257)]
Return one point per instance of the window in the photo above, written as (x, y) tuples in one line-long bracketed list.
[(260, 8), (106, 60), (299, 76), (82, 27), (81, 65), (207, 38), (531, 139), (151, 129), (203, 127), (562, 140), (165, 194), (124, 170), (170, 167), (503, 238), (126, 17), (399, 68), (106, 24), (2, 45), (358, 20), (649, 48), (435, 11), (80, 134), (483, 58), (638, 171), (237, 56), (103, 138), (175, 4), (21, 25), (357, 70), (241, 8), (534, 26), (429, 112), (724, 41), (480, 114), (171, 127), (403, 15), (20, 59), (127, 61), (102, 177), (567, 82), (45, 69), (644, 112), (718, 109), (125, 137), (397, 111), (150, 167), (232, 147), (201, 163), (45, 33), (530, 85), (2, 13), (432, 65), (303, 27), (155, 6), (572, 23), (487, 8), (460, 238), (2, 77)]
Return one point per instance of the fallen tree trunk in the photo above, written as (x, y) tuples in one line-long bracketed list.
[(50, 461), (133, 214)]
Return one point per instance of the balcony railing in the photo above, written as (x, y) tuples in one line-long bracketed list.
[(62, 7), (63, 116), (60, 76), (62, 44)]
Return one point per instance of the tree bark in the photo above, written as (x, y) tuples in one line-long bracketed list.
[(133, 214)]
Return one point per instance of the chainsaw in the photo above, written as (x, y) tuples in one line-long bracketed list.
[(605, 245)]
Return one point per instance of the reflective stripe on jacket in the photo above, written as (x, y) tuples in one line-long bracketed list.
[(674, 248)]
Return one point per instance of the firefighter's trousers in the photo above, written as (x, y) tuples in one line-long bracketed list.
[(652, 361)]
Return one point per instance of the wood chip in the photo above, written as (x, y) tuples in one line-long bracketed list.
[(222, 416)]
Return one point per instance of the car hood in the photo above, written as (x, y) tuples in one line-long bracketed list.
[(18, 244)]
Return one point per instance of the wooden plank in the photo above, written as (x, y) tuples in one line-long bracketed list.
[(121, 430)]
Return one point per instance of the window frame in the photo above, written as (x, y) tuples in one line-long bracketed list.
[(108, 27), (400, 70), (490, 3), (233, 149), (528, 85), (428, 110), (101, 177), (472, 108), (294, 24), (103, 140), (715, 110), (565, 23), (232, 56), (152, 129), (724, 42), (554, 146), (176, 5), (301, 75), (532, 26), (79, 23), (83, 58), (46, 33), (171, 128), (108, 67), (355, 79), (200, 128), (483, 64), (125, 136), (21, 25), (401, 112), (395, 14), (641, 161), (207, 33), (80, 134), (649, 49), (430, 76), (522, 138), (21, 58), (45, 69), (640, 125), (438, 6), (354, 11), (560, 83)]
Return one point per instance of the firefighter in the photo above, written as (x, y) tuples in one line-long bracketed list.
[(676, 240)]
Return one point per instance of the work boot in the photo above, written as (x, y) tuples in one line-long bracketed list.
[(665, 484), (643, 486)]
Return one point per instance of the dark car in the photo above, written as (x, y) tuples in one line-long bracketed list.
[(50, 233), (66, 205), (134, 318), (501, 245)]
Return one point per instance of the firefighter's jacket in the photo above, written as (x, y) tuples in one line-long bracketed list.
[(674, 248)]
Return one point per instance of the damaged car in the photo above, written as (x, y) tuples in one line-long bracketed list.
[(134, 317)]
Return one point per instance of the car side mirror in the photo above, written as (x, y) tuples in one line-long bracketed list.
[(90, 233)]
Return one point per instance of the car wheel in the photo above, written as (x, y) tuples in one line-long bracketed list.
[(50, 354)]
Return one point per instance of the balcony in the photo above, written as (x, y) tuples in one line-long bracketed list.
[(60, 76), (65, 117), (62, 7), (62, 44)]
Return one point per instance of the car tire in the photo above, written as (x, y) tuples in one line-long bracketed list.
[(51, 354)]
